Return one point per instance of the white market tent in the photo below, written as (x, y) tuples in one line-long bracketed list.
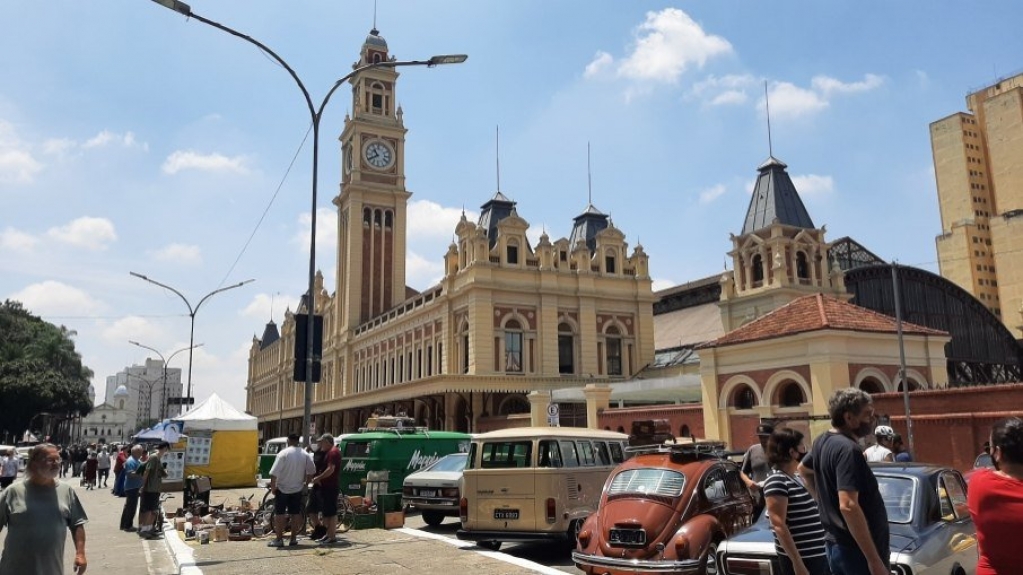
[(233, 452), (216, 414)]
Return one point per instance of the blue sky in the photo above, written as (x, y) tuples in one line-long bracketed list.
[(132, 139)]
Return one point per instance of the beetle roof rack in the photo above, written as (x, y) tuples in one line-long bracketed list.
[(694, 449)]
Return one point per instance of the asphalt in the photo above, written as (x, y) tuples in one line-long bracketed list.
[(361, 551)]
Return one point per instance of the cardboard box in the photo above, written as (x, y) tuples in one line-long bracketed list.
[(394, 519), (356, 500), (221, 532)]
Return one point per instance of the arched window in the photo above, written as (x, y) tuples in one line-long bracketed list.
[(758, 270), (743, 397), (790, 395), (513, 346), (802, 266), (913, 386), (621, 429), (871, 385), (566, 348), (378, 104), (367, 216), (514, 404), (377, 218), (684, 431), (613, 343), (388, 219)]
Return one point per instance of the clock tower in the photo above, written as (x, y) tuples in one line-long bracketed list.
[(372, 206)]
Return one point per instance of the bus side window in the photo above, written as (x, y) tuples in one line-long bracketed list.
[(522, 454), (617, 454), (603, 457), (586, 453), (550, 454), (569, 454)]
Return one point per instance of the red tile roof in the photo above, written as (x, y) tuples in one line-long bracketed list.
[(814, 313)]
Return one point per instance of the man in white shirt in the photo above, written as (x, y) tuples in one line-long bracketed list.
[(291, 471), (8, 468), (882, 451)]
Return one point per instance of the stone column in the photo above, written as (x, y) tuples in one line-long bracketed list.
[(538, 402), (598, 398)]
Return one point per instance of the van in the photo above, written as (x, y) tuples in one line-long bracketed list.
[(535, 483), (272, 447), (394, 445)]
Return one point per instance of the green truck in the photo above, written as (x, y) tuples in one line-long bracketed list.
[(396, 446)]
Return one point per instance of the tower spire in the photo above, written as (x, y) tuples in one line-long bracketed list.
[(497, 155), (374, 14), (589, 177), (767, 106)]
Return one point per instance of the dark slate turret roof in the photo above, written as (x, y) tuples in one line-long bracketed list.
[(270, 335), (586, 227), (498, 208), (376, 40), (775, 196)]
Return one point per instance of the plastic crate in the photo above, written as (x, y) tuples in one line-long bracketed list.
[(366, 521), (389, 502)]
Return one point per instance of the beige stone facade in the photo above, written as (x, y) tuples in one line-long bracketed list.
[(978, 166), (508, 318)]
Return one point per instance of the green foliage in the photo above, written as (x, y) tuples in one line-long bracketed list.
[(40, 371)]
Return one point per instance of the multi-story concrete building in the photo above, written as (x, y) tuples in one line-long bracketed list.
[(978, 165), (146, 389), (507, 318)]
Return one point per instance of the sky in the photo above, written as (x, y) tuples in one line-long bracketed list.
[(133, 139)]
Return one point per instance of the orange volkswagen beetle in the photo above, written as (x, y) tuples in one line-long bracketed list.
[(665, 510)]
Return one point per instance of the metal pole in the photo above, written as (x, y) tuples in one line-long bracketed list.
[(902, 358)]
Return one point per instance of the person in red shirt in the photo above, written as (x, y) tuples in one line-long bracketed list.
[(995, 498), (328, 486), (122, 457)]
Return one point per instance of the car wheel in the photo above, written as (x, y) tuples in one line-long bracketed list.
[(492, 545), (433, 518), (710, 561)]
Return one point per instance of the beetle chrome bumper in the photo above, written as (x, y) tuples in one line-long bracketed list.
[(645, 565)]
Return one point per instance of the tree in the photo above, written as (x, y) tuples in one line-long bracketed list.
[(40, 371)]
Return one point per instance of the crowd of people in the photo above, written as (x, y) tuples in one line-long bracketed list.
[(825, 506)]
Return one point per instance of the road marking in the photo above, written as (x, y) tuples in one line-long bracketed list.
[(518, 561)]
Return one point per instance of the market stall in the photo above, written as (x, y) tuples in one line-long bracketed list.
[(222, 444)]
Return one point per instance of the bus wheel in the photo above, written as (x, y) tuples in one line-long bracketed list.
[(492, 545), (433, 518)]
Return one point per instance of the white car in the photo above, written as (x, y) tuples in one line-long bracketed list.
[(434, 490)]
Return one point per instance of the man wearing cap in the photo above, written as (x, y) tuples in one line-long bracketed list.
[(327, 488), (149, 496), (755, 467), (291, 470), (883, 450)]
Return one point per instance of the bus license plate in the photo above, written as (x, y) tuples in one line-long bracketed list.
[(506, 514)]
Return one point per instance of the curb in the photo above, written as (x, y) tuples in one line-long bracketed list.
[(180, 552)]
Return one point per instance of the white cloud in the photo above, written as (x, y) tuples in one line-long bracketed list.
[(189, 160), (661, 283), (667, 44), (326, 231), (422, 273), (789, 100), (107, 137), (178, 253), (922, 78), (813, 185), (87, 232), (58, 146), (827, 85), (132, 328), (729, 98), (601, 62), (16, 240), (53, 298), (266, 306), (712, 193), (428, 219), (17, 166), (730, 89)]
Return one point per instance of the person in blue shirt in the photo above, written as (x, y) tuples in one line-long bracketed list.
[(901, 453), (132, 484)]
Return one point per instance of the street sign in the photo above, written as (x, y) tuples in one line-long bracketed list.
[(553, 415), (312, 431)]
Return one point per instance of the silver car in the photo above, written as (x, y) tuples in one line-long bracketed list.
[(434, 490), (931, 528)]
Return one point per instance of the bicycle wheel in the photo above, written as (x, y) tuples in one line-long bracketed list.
[(345, 513), (265, 513)]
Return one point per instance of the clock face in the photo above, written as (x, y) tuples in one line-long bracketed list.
[(379, 154)]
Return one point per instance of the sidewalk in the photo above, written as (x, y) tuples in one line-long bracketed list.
[(107, 548)]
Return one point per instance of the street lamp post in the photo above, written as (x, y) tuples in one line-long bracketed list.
[(163, 405), (314, 114), (191, 314), (149, 397)]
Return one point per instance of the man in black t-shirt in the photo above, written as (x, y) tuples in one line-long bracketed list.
[(836, 473)]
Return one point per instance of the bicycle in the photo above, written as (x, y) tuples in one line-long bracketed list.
[(345, 511)]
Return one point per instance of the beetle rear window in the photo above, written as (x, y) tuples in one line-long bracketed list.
[(663, 482)]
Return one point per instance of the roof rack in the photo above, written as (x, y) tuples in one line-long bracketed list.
[(395, 424), (694, 450)]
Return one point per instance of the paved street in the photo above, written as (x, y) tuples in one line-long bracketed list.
[(415, 548)]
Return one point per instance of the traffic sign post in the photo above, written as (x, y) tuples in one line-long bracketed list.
[(553, 415)]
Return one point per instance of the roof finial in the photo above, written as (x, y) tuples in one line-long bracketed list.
[(767, 106), (589, 177), (375, 17), (497, 155)]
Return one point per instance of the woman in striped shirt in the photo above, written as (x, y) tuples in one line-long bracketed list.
[(795, 519)]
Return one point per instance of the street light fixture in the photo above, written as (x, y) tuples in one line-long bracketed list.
[(191, 314), (315, 114), (163, 405), (149, 398)]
